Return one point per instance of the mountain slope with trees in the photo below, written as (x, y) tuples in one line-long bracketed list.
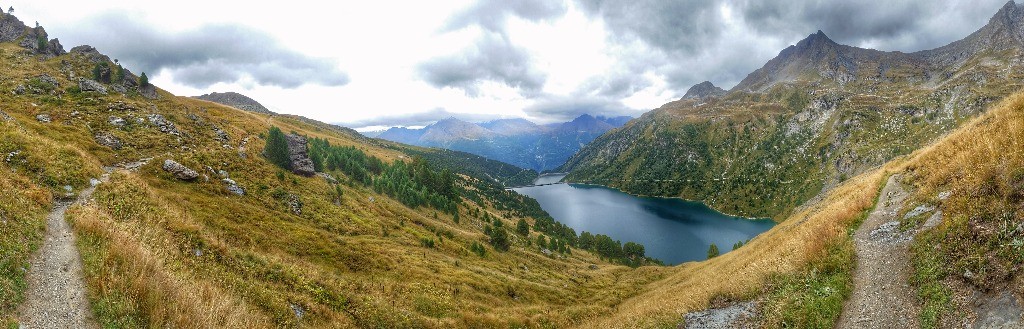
[(812, 117)]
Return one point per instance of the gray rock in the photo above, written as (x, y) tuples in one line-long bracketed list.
[(19, 90), (295, 204), (222, 136), (740, 315), (90, 53), (223, 174), (87, 85), (179, 171), (327, 177), (116, 121), (945, 195), (108, 140), (5, 116), (233, 187), (121, 106), (10, 28), (165, 126), (299, 155), (1001, 311), (919, 210), (47, 79), (149, 91), (592, 266), (44, 118)]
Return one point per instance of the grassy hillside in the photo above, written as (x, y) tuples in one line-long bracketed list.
[(762, 154), (291, 251), (802, 266)]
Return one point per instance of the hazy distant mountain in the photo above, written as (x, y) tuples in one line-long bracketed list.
[(516, 141), (512, 126), (236, 100)]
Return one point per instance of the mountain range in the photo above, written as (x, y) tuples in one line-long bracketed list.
[(816, 114), (123, 205), (515, 141)]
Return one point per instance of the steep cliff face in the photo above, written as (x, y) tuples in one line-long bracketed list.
[(811, 117)]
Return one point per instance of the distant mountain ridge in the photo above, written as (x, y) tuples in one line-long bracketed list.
[(236, 100), (516, 141)]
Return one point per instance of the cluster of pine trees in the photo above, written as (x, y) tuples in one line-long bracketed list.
[(414, 184)]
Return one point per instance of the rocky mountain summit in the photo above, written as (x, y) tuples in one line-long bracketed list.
[(237, 101), (704, 90)]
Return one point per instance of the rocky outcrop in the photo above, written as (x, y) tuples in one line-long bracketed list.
[(232, 186), (299, 155), (165, 126), (44, 118), (179, 171), (10, 28), (237, 101), (108, 140), (90, 53), (704, 90), (87, 85), (149, 91), (36, 40)]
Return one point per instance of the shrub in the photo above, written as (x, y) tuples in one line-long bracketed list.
[(522, 227), (712, 251)]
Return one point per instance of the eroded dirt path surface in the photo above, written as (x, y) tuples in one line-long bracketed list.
[(882, 295), (56, 292)]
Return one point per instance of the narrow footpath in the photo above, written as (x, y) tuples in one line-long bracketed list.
[(882, 295), (56, 292)]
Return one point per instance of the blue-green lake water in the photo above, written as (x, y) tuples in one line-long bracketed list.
[(671, 230)]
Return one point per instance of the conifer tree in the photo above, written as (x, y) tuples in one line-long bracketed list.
[(276, 150)]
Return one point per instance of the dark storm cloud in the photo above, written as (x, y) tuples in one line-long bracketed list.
[(207, 55), (688, 41), (679, 25), (491, 58), (418, 119), (889, 25)]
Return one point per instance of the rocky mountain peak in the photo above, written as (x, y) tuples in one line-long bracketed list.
[(1004, 31), (703, 90)]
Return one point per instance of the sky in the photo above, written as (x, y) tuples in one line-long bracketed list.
[(374, 64)]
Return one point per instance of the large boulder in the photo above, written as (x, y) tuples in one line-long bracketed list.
[(180, 171), (299, 155), (91, 85), (149, 91)]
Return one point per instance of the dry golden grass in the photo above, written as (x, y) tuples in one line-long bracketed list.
[(743, 273), (985, 156)]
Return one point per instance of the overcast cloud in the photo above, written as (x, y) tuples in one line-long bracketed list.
[(368, 63), (209, 54)]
